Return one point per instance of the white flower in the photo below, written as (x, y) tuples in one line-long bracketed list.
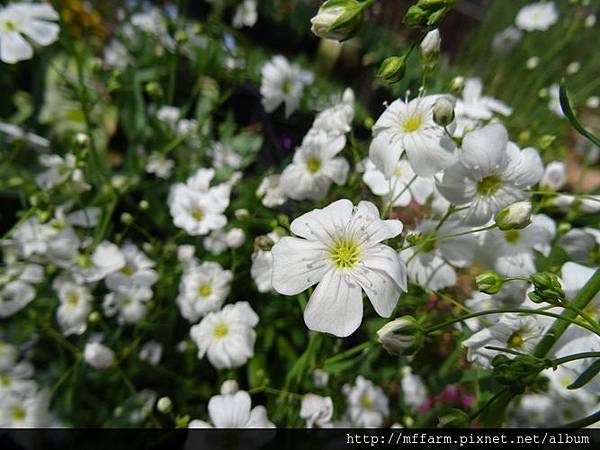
[(517, 332), (198, 208), (129, 301), (16, 133), (400, 188), (409, 127), (512, 252), (537, 16), (316, 410), (491, 173), (339, 249), (225, 156), (283, 82), (245, 14), (476, 106), (337, 119), (367, 404), (151, 352), (430, 45), (75, 306), (271, 192), (15, 296), (218, 241), (555, 176), (413, 390), (138, 270), (505, 40), (554, 100), (30, 411), (588, 204), (227, 336), (203, 289), (98, 356), (164, 405), (105, 259), (235, 411), (116, 55), (34, 21), (320, 378), (229, 387), (315, 166), (160, 166), (60, 170)]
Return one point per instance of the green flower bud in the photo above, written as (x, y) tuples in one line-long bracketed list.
[(514, 217), (338, 19), (489, 282), (403, 336), (164, 405), (392, 69), (457, 85), (443, 110), (547, 289)]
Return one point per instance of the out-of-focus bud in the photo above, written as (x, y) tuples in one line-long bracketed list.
[(555, 176), (443, 110), (546, 141), (489, 282), (338, 19), (241, 214), (126, 218), (547, 288), (457, 84), (403, 336), (514, 217), (98, 356), (164, 405), (427, 13), (235, 237), (392, 69), (82, 140), (153, 89), (430, 45), (229, 387), (94, 317), (143, 205)]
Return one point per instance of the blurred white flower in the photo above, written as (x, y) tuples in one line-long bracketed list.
[(414, 392), (15, 296), (555, 176), (505, 40), (151, 352), (316, 410), (20, 20), (283, 82), (537, 16), (160, 166), (339, 249), (227, 336), (137, 271), (75, 306), (271, 192), (491, 173), (315, 167), (337, 119), (105, 259), (30, 411), (409, 127), (98, 355), (203, 289), (262, 262), (245, 14), (128, 301), (61, 170), (367, 404)]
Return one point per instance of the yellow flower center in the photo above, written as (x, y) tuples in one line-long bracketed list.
[(18, 413), (345, 253), (398, 172), (512, 236), (127, 270), (313, 164), (366, 402), (205, 290), (220, 330), (72, 299), (286, 86), (9, 25), (197, 214), (412, 123), (515, 340), (489, 185)]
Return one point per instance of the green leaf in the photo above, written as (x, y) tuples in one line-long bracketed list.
[(565, 104), (586, 376)]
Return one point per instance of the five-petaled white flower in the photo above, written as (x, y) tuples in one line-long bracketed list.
[(339, 249)]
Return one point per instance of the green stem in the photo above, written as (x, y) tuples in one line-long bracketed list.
[(574, 357)]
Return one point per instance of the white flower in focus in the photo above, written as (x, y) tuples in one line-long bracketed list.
[(401, 189), (75, 306), (271, 192), (339, 249), (517, 332), (315, 167), (235, 411), (245, 14), (98, 356), (203, 289), (555, 176), (367, 405), (227, 336), (26, 20), (160, 166), (537, 16), (409, 127), (61, 170), (512, 252), (316, 410), (337, 119), (491, 173), (283, 82)]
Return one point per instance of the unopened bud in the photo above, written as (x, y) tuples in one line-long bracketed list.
[(547, 288), (403, 336), (338, 19), (392, 69), (514, 217), (443, 110), (164, 405), (430, 45), (82, 140), (457, 85), (126, 218), (489, 282)]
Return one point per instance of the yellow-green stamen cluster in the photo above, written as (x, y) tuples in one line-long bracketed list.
[(345, 253)]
